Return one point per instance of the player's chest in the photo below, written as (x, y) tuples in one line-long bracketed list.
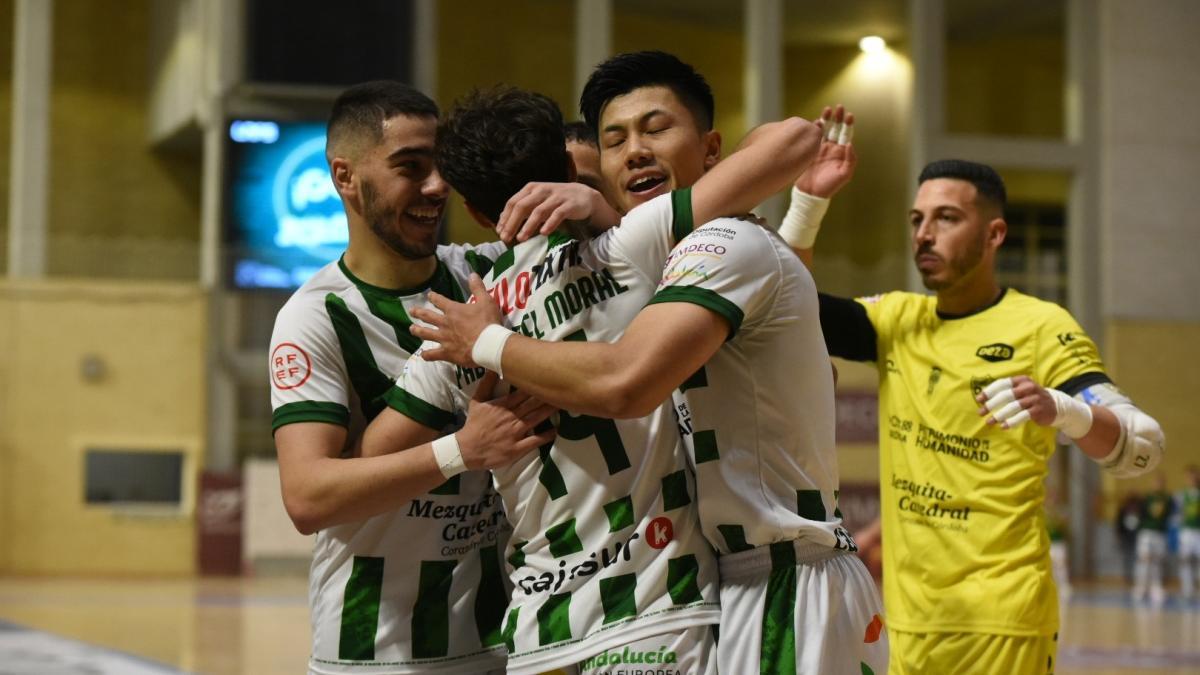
[(945, 365)]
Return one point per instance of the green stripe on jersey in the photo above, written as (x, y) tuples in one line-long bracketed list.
[(617, 596), (368, 381), (510, 629), (675, 490), (419, 411), (391, 311), (431, 613), (490, 598), (554, 619), (481, 265), (612, 448), (517, 558), (550, 477), (360, 610), (683, 580), (778, 650), (705, 445), (735, 538), (503, 262), (837, 498), (681, 214), (695, 381), (809, 505), (444, 282), (563, 540), (310, 411), (620, 513), (707, 299)]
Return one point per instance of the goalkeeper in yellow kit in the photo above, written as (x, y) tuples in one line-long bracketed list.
[(967, 575)]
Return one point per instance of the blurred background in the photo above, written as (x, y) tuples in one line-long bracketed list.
[(166, 190)]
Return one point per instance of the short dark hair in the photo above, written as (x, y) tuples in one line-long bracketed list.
[(580, 132), (988, 184), (633, 70), (494, 141), (359, 112)]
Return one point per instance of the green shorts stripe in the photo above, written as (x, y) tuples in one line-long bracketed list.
[(778, 651)]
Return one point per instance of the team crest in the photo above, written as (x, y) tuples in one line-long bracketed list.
[(935, 375), (978, 384)]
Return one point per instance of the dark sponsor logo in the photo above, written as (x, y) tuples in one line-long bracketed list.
[(549, 582), (464, 522), (995, 352)]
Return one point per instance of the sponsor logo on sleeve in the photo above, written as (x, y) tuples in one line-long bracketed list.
[(290, 366), (995, 352)]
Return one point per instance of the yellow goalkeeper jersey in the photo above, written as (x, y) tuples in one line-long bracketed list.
[(965, 545)]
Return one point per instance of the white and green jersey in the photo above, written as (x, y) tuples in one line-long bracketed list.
[(420, 589), (1189, 508), (758, 418), (606, 546)]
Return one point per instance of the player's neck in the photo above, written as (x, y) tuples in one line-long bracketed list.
[(376, 264), (969, 297)]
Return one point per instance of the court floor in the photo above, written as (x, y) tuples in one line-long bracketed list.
[(259, 626)]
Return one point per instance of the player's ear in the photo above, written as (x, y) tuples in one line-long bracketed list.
[(712, 148), (342, 173), (483, 220), (997, 229)]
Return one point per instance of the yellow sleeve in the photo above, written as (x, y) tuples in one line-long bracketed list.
[(1065, 351)]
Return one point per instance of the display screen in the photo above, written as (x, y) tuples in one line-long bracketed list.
[(284, 218)]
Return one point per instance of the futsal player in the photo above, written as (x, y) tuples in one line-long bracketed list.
[(732, 331), (608, 559), (966, 555), (394, 588)]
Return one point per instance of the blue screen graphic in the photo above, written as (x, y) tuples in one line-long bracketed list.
[(285, 218)]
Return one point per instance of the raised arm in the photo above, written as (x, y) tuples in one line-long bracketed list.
[(833, 168), (768, 159)]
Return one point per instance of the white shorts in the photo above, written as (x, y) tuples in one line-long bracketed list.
[(796, 607), (1189, 542), (1151, 544), (692, 651)]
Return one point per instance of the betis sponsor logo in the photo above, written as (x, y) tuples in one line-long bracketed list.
[(628, 656)]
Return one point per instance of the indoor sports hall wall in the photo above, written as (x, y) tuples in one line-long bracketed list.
[(97, 365)]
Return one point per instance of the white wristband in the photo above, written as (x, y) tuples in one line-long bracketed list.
[(489, 347), (1072, 417), (803, 219), (448, 456)]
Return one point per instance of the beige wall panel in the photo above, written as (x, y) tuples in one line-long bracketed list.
[(150, 341), (118, 208), (863, 247), (1155, 363)]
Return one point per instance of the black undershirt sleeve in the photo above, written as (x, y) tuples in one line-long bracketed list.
[(1080, 382), (848, 331)]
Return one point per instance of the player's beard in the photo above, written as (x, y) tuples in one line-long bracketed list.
[(958, 267), (385, 223)]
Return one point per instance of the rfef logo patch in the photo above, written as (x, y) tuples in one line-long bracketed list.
[(290, 366), (995, 352), (660, 532)]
